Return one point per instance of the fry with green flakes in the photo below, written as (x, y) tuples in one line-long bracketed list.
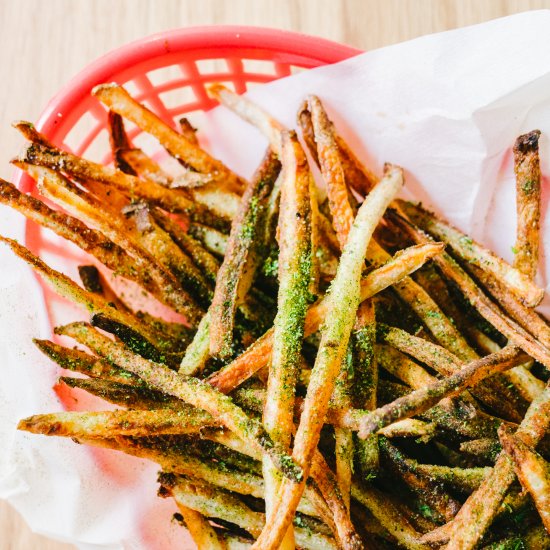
[(295, 260), (471, 251), (377, 280), (532, 470), (528, 203), (194, 391), (243, 257), (344, 298)]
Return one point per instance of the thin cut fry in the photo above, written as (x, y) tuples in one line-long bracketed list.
[(532, 470), (202, 533), (423, 399), (242, 258), (482, 505), (528, 197), (258, 354), (117, 99), (295, 257), (475, 253), (344, 299), (194, 391)]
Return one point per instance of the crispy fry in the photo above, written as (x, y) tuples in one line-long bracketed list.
[(191, 390), (118, 140), (95, 243), (482, 505), (423, 399), (528, 196), (171, 200), (118, 423), (257, 355), (152, 277), (483, 305), (202, 533), (79, 361), (94, 281), (250, 112), (294, 279), (475, 253), (188, 130), (117, 99), (218, 504), (344, 299), (428, 491), (532, 470), (68, 289), (135, 161), (242, 258)]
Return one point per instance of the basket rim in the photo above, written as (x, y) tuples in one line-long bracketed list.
[(187, 39)]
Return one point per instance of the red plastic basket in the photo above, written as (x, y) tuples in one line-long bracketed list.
[(168, 72)]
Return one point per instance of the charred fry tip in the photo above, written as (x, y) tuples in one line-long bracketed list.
[(527, 142)]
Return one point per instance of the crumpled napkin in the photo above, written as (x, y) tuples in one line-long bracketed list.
[(447, 107)]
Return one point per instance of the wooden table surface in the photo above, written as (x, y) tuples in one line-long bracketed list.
[(43, 43)]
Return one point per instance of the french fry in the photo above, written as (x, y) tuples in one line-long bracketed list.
[(118, 423), (68, 289), (94, 242), (257, 355), (94, 281), (295, 260), (250, 112), (428, 491), (194, 391), (135, 161), (242, 258), (528, 197), (533, 472), (202, 533), (475, 253), (218, 504), (79, 361), (117, 99), (188, 130), (450, 268), (343, 302), (171, 200), (152, 277), (476, 514), (422, 399)]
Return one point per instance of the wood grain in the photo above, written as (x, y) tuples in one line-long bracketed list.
[(44, 43)]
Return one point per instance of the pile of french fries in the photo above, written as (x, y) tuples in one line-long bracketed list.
[(352, 372)]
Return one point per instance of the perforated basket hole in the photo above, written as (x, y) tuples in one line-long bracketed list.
[(98, 149), (80, 131), (259, 66), (164, 75), (178, 98), (211, 66), (147, 143)]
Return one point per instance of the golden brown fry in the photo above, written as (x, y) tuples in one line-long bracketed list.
[(423, 399), (172, 200), (202, 533), (79, 361), (295, 260), (153, 277), (118, 423), (136, 161), (344, 299), (118, 139), (188, 130), (258, 354), (331, 169), (487, 309), (191, 390), (532, 470), (117, 99), (528, 197), (242, 258), (72, 229), (476, 514), (250, 112), (474, 252), (68, 289)]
